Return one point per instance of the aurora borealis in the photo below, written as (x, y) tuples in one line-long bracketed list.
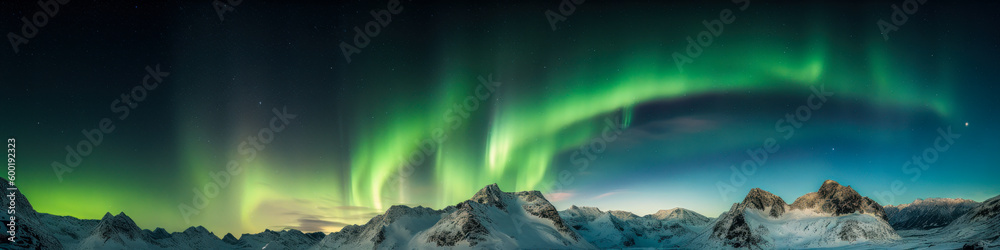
[(451, 97)]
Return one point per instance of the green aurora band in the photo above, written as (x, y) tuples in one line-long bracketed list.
[(513, 137)]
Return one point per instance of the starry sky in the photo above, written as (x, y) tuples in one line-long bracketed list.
[(448, 97)]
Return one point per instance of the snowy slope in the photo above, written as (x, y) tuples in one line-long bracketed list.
[(981, 224)]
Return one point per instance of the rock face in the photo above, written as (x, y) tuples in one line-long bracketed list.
[(491, 196), (764, 201), (927, 213), (463, 225), (839, 200)]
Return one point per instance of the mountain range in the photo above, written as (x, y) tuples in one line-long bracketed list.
[(928, 213), (833, 216)]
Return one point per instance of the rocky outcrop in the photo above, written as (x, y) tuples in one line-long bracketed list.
[(732, 228), (832, 198)]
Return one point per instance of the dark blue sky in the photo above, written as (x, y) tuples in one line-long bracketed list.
[(446, 98)]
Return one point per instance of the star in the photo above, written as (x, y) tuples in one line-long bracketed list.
[(966, 124)]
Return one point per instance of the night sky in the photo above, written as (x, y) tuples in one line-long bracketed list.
[(447, 98)]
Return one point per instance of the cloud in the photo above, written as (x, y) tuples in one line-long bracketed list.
[(609, 194), (313, 225), (554, 197), (309, 223)]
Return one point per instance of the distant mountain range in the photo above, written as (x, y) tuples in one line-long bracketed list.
[(834, 216), (928, 213)]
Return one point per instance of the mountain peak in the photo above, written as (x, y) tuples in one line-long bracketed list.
[(159, 233), (198, 230), (679, 214), (118, 228), (491, 195), (831, 187), (584, 211), (668, 213), (120, 216), (764, 201), (491, 188), (229, 238), (836, 199)]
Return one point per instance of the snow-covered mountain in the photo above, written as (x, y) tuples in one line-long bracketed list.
[(491, 219), (680, 215), (927, 213), (978, 228), (613, 229), (116, 232), (602, 229), (834, 216)]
